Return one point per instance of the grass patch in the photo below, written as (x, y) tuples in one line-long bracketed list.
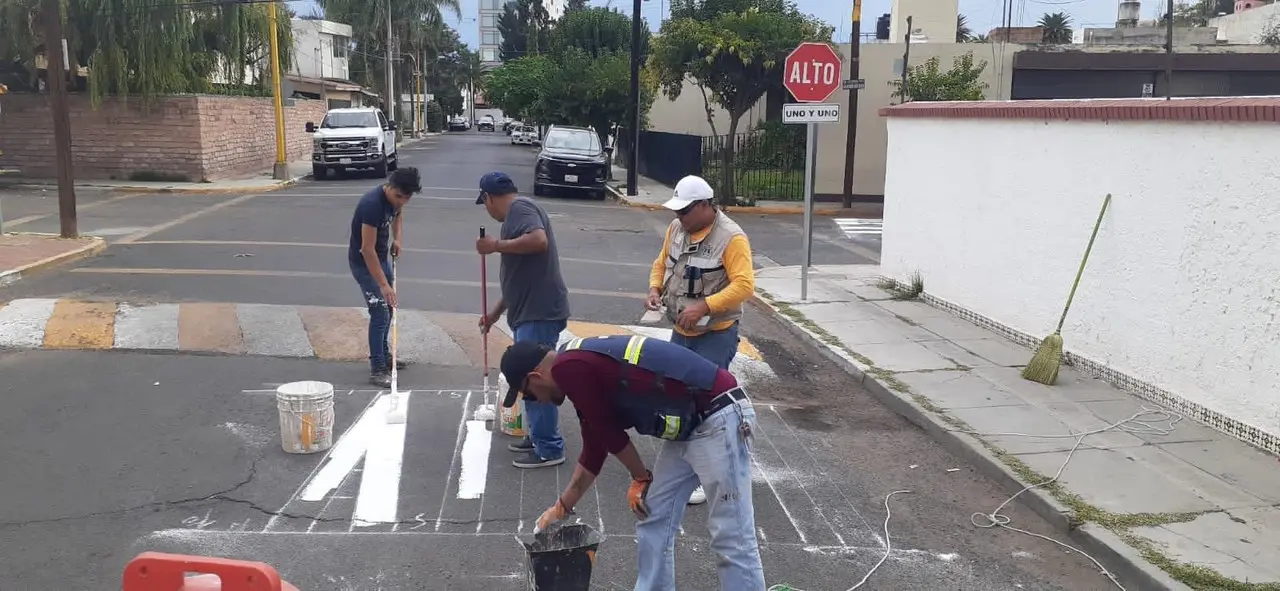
[(1122, 524), (903, 291)]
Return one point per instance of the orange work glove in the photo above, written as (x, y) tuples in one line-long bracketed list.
[(637, 492), (557, 513)]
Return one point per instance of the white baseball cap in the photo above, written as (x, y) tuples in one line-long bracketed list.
[(689, 190)]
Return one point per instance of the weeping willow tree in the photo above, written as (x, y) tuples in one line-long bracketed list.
[(148, 48)]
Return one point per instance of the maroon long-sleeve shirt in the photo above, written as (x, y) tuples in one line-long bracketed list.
[(591, 381)]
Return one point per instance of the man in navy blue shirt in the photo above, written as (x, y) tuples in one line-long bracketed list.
[(369, 256)]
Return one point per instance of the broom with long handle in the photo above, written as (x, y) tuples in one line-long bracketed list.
[(486, 411), (1043, 367)]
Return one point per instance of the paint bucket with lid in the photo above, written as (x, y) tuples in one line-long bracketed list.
[(510, 420), (562, 559), (306, 416)]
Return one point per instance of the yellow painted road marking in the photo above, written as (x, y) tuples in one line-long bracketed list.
[(338, 334), (746, 348), (594, 329), (81, 325), (209, 327)]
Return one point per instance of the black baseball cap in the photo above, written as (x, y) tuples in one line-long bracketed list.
[(520, 359), (495, 183)]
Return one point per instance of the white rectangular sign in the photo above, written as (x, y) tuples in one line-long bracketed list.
[(811, 113)]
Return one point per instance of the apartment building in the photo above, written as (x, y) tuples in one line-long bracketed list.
[(491, 38)]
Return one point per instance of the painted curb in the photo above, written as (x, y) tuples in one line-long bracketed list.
[(95, 246), (620, 197), (1120, 558)]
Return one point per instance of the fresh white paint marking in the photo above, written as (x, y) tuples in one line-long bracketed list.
[(382, 448), (22, 322), (475, 461), (147, 327)]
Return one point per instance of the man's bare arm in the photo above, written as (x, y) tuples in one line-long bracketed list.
[(531, 243)]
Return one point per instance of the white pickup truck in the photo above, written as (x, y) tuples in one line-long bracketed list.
[(353, 138)]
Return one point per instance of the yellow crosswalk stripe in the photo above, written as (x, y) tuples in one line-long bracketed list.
[(80, 325)]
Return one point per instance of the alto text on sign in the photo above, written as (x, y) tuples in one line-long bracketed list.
[(811, 113)]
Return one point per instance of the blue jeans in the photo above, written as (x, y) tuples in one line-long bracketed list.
[(717, 346), (544, 419), (719, 456), (379, 315)]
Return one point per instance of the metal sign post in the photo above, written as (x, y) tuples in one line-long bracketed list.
[(811, 74)]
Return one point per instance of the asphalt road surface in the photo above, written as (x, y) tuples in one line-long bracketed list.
[(111, 453)]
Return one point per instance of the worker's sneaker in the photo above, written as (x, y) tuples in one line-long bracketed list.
[(698, 497), (523, 446), (400, 365), (382, 379), (532, 460)]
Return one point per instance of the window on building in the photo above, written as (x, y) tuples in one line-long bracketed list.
[(340, 46), (490, 38), (490, 4), (488, 54), (488, 21)]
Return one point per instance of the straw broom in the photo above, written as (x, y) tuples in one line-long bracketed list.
[(1043, 367)]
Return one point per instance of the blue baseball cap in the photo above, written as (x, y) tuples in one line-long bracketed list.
[(495, 183)]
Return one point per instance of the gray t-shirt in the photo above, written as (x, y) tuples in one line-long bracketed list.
[(531, 283)]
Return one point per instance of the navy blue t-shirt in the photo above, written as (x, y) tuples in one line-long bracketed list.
[(376, 211)]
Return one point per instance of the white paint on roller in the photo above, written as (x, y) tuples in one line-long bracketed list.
[(382, 448), (379, 495), (147, 327), (475, 461), (22, 322)]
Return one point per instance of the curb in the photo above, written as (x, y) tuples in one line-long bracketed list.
[(95, 246), (622, 198), (1124, 561), (171, 190)]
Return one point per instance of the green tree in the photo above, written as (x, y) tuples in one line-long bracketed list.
[(1198, 12), (734, 58), (520, 87), (927, 81), (575, 5), (139, 47), (597, 31), (514, 33), (963, 33), (1057, 28)]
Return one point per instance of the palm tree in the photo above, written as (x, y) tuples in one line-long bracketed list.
[(1057, 28), (963, 33), (980, 39)]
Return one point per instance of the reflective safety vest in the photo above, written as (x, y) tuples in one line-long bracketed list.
[(655, 413)]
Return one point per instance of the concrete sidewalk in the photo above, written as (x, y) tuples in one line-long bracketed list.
[(262, 182), (652, 194), (1161, 501), (26, 254)]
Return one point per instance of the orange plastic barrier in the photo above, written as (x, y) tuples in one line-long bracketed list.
[(157, 571)]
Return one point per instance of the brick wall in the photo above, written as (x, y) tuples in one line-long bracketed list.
[(197, 137)]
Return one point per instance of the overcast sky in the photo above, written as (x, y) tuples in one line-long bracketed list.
[(983, 14)]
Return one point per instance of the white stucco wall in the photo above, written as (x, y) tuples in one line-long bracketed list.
[(1182, 289)]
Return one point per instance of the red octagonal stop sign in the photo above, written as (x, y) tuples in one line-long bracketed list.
[(812, 72)]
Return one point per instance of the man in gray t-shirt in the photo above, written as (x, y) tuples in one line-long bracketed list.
[(533, 296)]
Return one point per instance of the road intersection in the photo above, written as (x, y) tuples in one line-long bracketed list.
[(140, 411)]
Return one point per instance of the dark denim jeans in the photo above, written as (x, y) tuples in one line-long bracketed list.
[(379, 315), (718, 346), (544, 419)]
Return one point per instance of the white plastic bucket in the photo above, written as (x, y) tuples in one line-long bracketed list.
[(306, 416)]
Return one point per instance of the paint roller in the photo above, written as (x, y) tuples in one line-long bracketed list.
[(486, 411), (397, 411)]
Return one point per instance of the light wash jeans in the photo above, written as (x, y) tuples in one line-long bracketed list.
[(720, 457), (379, 315), (543, 419), (718, 346)]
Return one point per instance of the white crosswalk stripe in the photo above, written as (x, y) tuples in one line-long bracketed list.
[(853, 227)]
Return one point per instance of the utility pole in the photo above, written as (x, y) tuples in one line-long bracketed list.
[(851, 136), (281, 169), (633, 166), (390, 86), (56, 66), (1168, 49), (906, 58)]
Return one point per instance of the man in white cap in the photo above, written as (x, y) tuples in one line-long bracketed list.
[(702, 276)]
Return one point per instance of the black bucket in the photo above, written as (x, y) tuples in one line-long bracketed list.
[(562, 559)]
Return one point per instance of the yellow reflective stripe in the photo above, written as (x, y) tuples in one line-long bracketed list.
[(672, 428), (632, 352), (573, 344)]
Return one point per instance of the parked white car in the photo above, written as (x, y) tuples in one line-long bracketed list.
[(525, 135)]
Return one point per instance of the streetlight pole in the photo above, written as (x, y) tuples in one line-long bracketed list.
[(851, 133), (633, 166), (1168, 49), (281, 169)]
